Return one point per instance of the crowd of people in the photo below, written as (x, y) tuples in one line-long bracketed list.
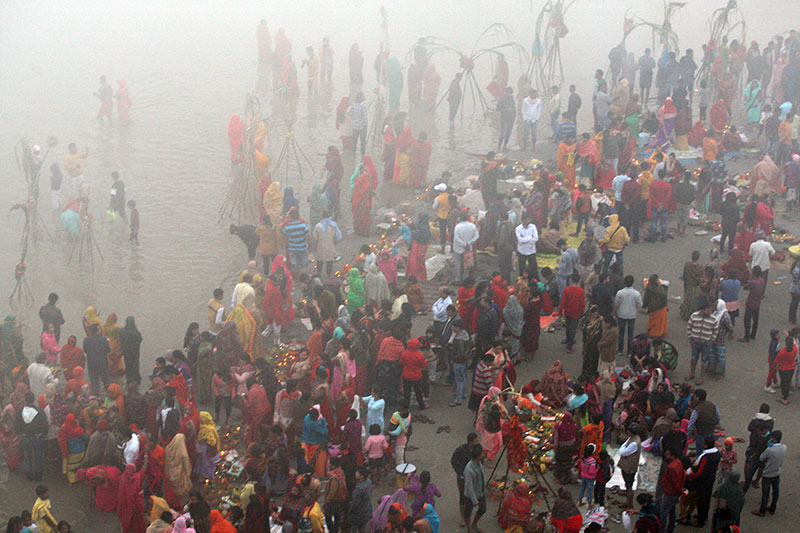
[(317, 425)]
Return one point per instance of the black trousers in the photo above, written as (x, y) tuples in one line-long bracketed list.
[(417, 386), (750, 322), (533, 267), (793, 308)]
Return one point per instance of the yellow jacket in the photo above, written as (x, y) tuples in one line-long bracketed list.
[(616, 235)]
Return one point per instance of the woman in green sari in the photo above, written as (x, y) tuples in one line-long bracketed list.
[(318, 204), (752, 101), (356, 294)]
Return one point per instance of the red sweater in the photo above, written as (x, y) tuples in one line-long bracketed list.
[(785, 360), (413, 362), (674, 476), (573, 302), (660, 194)]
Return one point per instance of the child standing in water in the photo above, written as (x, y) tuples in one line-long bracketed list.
[(134, 222)]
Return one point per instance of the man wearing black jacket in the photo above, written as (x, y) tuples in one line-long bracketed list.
[(32, 426), (461, 456), (759, 427)]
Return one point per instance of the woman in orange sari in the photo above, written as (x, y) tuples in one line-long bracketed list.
[(402, 157), (362, 203), (420, 160), (566, 161)]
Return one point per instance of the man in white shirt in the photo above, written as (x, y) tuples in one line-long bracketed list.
[(439, 307), (554, 106), (761, 251), (130, 448), (527, 235), (39, 375), (617, 184), (531, 112), (627, 302), (465, 234)]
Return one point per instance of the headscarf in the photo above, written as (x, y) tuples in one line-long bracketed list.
[(289, 201), (130, 496), (355, 292), (114, 396), (111, 329), (422, 233), (71, 356), (342, 318), (208, 431), (785, 108), (177, 466), (768, 171), (567, 429), (273, 203), (333, 162), (129, 336), (219, 524), (564, 508), (380, 517), (318, 204), (17, 398), (180, 526), (430, 515), (375, 283), (70, 429), (512, 316), (90, 317), (720, 311)]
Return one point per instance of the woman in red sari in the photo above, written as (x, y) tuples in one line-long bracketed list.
[(363, 191), (719, 115), (402, 157), (500, 81), (389, 140), (258, 407), (130, 502), (420, 160), (466, 303), (420, 237), (530, 323), (71, 357)]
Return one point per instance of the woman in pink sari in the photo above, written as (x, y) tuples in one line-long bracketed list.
[(123, 103), (487, 424)]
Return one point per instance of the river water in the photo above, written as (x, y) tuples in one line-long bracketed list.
[(189, 66)]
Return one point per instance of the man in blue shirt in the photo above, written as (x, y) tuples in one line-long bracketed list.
[(296, 231)]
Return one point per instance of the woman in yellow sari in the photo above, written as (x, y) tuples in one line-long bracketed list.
[(111, 332), (566, 158), (402, 157), (273, 202), (245, 328), (90, 317)]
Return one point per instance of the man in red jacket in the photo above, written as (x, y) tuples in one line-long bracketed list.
[(660, 197), (413, 363), (672, 489), (573, 302)]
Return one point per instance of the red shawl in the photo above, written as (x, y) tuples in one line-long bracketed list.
[(697, 134), (71, 356), (371, 171), (500, 293), (76, 383), (130, 501), (219, 524), (588, 147)]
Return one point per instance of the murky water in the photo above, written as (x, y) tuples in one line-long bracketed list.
[(189, 66)]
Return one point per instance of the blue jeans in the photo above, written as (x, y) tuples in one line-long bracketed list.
[(587, 486), (658, 216), (460, 374), (562, 283), (667, 512), (625, 323), (607, 260), (529, 126), (572, 327), (768, 483), (700, 442), (701, 351), (32, 455)]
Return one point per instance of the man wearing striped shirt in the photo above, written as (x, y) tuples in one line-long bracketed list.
[(296, 232), (702, 331)]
